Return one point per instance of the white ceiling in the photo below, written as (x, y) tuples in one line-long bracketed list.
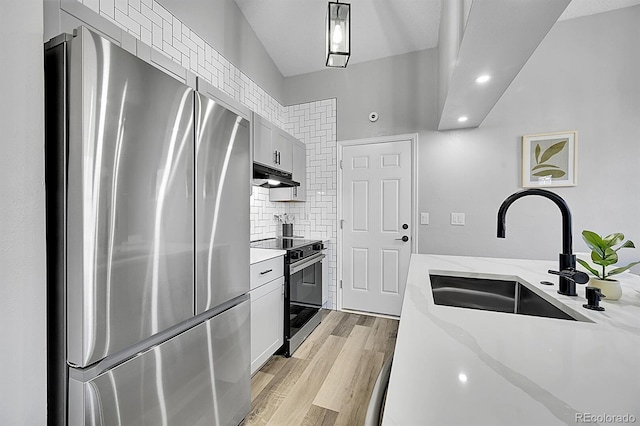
[(293, 33)]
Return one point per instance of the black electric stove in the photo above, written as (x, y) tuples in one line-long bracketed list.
[(284, 243), (303, 287)]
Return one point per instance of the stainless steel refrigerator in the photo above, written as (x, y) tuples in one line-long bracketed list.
[(147, 243)]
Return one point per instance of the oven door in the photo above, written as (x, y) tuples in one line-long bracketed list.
[(305, 281)]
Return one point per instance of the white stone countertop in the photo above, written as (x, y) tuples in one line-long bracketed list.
[(462, 366), (259, 255)]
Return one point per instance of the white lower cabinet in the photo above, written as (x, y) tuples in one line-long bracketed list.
[(267, 321)]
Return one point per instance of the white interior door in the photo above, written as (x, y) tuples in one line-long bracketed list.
[(376, 204)]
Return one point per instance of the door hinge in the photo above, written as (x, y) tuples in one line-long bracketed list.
[(340, 164), (341, 223), (341, 284)]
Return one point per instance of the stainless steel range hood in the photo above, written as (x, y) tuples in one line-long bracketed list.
[(272, 178)]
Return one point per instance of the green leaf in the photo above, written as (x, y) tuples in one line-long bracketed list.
[(539, 166), (613, 239), (553, 150), (553, 173), (622, 269), (609, 258), (537, 154), (603, 253), (594, 242), (627, 244), (588, 267)]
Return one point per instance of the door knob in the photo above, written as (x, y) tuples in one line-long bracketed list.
[(405, 226), (404, 238)]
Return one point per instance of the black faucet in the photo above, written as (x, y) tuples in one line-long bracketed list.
[(568, 274)]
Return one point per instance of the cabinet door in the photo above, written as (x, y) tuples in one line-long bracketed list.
[(284, 147), (267, 321), (300, 170), (263, 134), (299, 174)]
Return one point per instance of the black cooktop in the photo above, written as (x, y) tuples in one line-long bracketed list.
[(282, 243)]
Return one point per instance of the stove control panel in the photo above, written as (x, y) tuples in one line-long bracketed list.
[(296, 254), (304, 251)]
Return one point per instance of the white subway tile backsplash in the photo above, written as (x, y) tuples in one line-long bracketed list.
[(107, 8), (186, 40), (146, 36), (123, 5), (167, 32), (177, 28), (130, 25), (160, 10), (147, 12), (138, 17), (315, 124), (172, 51), (157, 36)]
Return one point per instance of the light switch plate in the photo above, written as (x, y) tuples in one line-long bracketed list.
[(457, 219), (424, 218)]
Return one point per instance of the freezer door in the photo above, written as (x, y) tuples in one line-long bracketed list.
[(129, 229), (222, 206), (200, 377)]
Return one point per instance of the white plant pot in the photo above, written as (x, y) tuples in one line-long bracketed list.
[(610, 288)]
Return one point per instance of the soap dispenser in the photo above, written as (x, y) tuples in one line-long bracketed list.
[(593, 295)]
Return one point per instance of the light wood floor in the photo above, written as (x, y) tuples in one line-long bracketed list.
[(329, 379)]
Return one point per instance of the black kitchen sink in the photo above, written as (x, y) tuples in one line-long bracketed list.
[(494, 295)]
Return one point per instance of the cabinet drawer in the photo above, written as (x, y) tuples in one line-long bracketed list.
[(267, 270)]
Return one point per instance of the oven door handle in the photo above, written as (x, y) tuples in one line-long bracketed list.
[(301, 264)]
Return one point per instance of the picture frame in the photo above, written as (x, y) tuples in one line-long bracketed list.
[(549, 159)]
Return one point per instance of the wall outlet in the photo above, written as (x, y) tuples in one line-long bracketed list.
[(424, 218), (457, 219)]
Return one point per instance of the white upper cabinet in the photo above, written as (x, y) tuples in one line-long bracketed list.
[(283, 146), (298, 193), (262, 137), (271, 145)]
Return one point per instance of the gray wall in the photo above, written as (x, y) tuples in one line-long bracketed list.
[(584, 77), (222, 24), (22, 235), (402, 89)]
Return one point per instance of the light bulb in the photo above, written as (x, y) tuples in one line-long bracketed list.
[(337, 34), (483, 78), (463, 119), (273, 182)]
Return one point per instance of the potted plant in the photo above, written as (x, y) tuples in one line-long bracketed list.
[(604, 253)]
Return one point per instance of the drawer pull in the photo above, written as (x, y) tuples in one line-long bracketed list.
[(266, 272)]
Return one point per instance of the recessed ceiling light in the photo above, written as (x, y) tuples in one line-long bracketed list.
[(463, 119), (483, 78), (462, 377)]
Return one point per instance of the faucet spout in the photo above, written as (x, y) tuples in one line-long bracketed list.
[(567, 260), (567, 243)]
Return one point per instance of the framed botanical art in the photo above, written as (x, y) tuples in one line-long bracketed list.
[(549, 159)]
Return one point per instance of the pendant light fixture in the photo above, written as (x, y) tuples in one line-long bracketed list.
[(338, 34)]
